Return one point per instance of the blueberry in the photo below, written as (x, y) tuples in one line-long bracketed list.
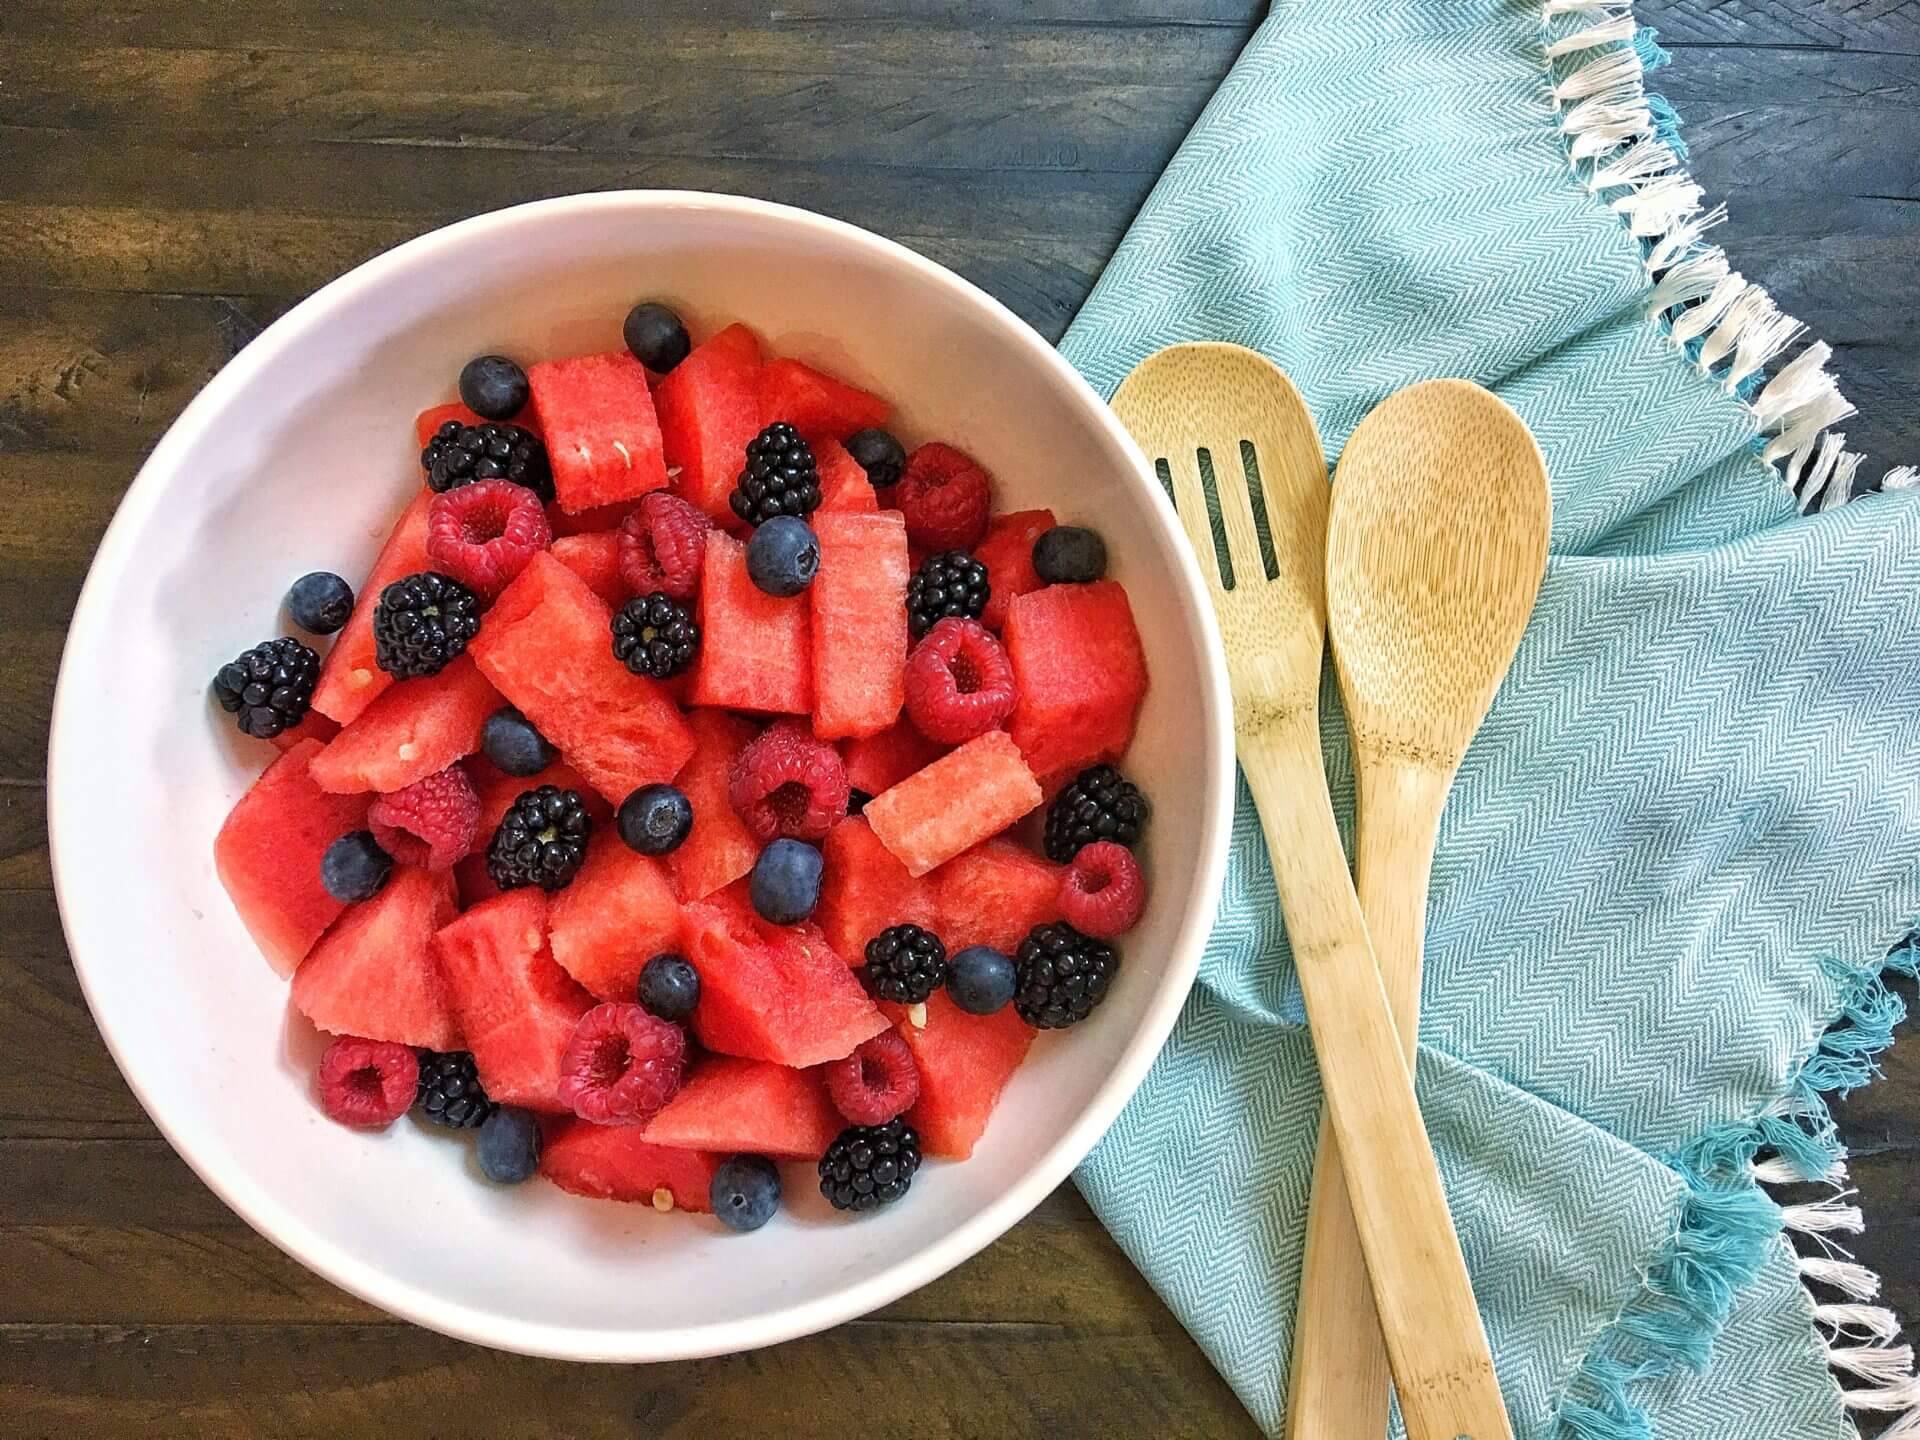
[(656, 337), (509, 741), (786, 882), (669, 987), (1069, 555), (493, 387), (509, 1145), (320, 602), (880, 455), (355, 867), (783, 556), (745, 1191), (654, 819), (980, 979)]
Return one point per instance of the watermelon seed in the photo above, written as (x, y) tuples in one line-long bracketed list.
[(917, 1016)]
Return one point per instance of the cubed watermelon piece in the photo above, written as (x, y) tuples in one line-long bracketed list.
[(349, 676), (815, 403), (964, 1063), (993, 894), (864, 890), (595, 559), (719, 849), (373, 974), (516, 1006), (961, 799), (843, 481), (733, 1106), (858, 602), (602, 436), (612, 1162), (709, 409), (755, 650), (771, 992), (618, 913), (412, 731), (1081, 675), (547, 646), (315, 727), (877, 763), (1007, 552), (268, 851), (498, 790)]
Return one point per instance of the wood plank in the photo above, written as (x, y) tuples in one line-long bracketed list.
[(1891, 25), (23, 838)]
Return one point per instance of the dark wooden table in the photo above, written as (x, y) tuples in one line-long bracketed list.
[(176, 173)]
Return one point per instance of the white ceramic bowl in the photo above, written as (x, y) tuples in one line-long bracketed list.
[(298, 456)]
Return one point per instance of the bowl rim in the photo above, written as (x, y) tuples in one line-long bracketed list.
[(365, 1280)]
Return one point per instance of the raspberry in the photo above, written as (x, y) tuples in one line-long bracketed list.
[(432, 822), (484, 534), (622, 1065), (945, 497), (959, 682), (1103, 891), (788, 783), (876, 1082), (662, 543), (369, 1083)]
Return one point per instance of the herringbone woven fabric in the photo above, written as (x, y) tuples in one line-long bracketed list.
[(1688, 834)]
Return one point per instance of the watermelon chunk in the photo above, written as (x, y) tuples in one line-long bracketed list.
[(1007, 552), (428, 421), (516, 1007), (1081, 675), (734, 1106), (612, 1162), (843, 482), (961, 799), (864, 890), (858, 602), (498, 790), (709, 409), (771, 992), (754, 647), (815, 403), (618, 913), (877, 763), (546, 645), (602, 435), (268, 854), (719, 849), (349, 677), (412, 731), (994, 894), (373, 974), (964, 1063), (315, 727), (595, 558)]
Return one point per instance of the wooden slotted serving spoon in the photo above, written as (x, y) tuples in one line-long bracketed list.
[(1210, 399), (1436, 544)]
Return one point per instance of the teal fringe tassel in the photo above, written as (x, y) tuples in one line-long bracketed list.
[(1726, 1221)]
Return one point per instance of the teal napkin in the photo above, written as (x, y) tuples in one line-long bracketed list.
[(1687, 841)]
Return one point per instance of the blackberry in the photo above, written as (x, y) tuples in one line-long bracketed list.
[(421, 622), (950, 583), (780, 478), (868, 1166), (450, 1092), (542, 840), (461, 454), (1100, 804), (267, 689), (905, 964), (1061, 976), (654, 635)]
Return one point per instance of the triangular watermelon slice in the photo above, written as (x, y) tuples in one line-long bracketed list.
[(964, 1063), (595, 558), (1007, 552), (709, 409), (877, 763), (349, 676), (619, 912), (865, 890), (412, 731), (815, 403), (719, 849), (612, 1162), (844, 486), (733, 1106), (993, 894), (373, 974)]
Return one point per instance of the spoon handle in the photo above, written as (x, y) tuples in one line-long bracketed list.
[(1441, 1364), (1338, 1385)]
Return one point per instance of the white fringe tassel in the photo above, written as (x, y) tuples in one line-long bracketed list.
[(1728, 322)]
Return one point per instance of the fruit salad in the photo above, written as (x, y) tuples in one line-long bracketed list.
[(701, 783)]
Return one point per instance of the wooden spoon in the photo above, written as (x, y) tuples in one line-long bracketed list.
[(1194, 408), (1435, 547)]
